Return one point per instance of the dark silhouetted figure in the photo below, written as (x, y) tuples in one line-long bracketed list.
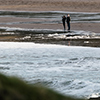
[(68, 22), (64, 20)]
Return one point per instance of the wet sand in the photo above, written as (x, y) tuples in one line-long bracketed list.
[(51, 5), (93, 27), (85, 26)]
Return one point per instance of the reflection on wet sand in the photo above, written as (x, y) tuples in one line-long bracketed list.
[(73, 38), (46, 27)]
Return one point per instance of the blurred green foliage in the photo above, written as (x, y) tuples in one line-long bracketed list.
[(12, 88)]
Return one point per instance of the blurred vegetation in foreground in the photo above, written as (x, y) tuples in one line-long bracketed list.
[(12, 88)]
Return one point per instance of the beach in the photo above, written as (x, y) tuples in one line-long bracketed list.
[(32, 35), (41, 15), (49, 5)]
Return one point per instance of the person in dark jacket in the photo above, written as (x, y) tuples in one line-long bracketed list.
[(64, 20), (68, 22)]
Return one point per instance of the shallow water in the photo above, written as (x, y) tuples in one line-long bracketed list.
[(48, 17), (70, 70)]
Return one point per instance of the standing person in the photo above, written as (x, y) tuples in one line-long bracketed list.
[(64, 20), (68, 22)]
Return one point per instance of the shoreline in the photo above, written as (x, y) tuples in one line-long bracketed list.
[(86, 6), (12, 20), (50, 36), (92, 27)]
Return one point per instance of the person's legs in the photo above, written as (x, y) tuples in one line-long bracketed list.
[(68, 24), (64, 26)]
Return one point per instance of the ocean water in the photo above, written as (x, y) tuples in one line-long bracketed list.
[(70, 70)]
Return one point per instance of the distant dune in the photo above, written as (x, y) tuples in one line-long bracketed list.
[(51, 5)]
